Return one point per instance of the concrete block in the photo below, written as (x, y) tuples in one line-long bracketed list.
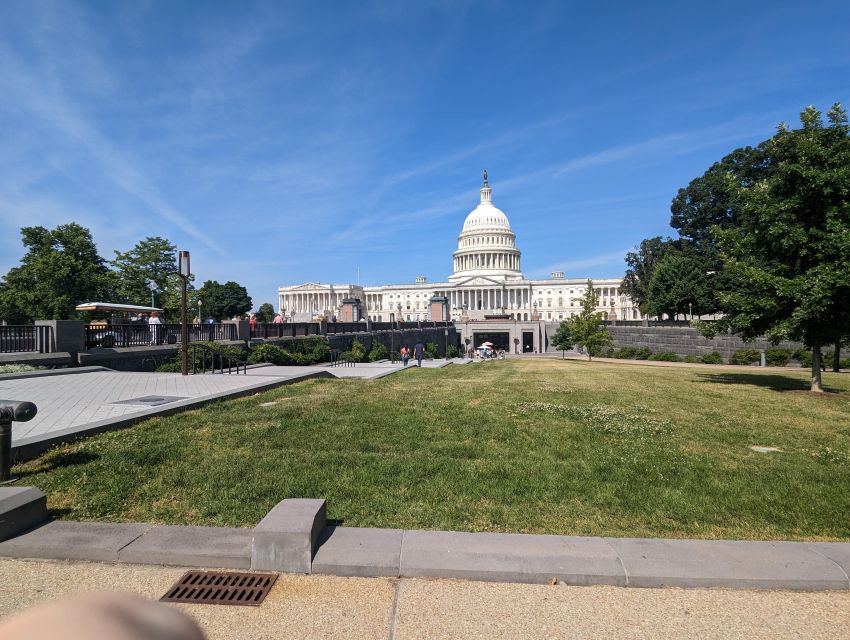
[(191, 547), (837, 552), (506, 557), (724, 563), (58, 540), (21, 509), (285, 539), (347, 551)]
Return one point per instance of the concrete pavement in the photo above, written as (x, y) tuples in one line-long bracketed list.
[(333, 607)]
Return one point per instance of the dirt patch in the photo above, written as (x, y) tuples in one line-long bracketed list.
[(474, 402)]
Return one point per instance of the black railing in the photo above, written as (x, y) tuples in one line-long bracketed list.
[(138, 335), (346, 327), (339, 359), (26, 338), (285, 330), (204, 359)]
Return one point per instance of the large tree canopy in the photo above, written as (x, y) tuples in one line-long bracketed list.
[(640, 265), (681, 283), (151, 261), (61, 269), (786, 253), (224, 301)]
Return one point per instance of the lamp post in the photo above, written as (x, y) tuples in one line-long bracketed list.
[(691, 310), (153, 287), (446, 352), (200, 317), (184, 271)]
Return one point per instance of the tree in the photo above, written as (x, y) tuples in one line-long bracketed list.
[(786, 251), (680, 284), (586, 328), (61, 269), (265, 313), (224, 301), (563, 338), (153, 260), (640, 265)]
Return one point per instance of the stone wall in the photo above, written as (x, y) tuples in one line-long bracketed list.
[(685, 341)]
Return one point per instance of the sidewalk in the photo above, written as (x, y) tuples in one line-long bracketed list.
[(332, 607)]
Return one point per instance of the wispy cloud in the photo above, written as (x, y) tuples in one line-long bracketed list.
[(583, 264)]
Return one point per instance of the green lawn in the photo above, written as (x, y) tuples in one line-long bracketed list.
[(535, 445)]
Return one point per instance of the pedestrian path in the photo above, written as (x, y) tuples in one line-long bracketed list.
[(320, 607)]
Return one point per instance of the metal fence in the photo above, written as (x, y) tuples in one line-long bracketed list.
[(138, 335), (285, 330), (26, 338)]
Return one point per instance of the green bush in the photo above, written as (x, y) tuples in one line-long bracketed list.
[(378, 352), (357, 353), (625, 353), (712, 358), (453, 352), (168, 367), (803, 356), (642, 353), (270, 353), (608, 352), (665, 356), (692, 359), (777, 356), (431, 350), (18, 368), (745, 356)]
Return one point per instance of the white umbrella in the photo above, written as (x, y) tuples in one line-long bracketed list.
[(486, 344)]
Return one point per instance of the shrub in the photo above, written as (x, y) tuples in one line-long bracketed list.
[(431, 350), (453, 352), (625, 353), (642, 353), (712, 358), (17, 368), (357, 352), (803, 356), (378, 352), (608, 352), (692, 359), (844, 364), (168, 367), (665, 356), (270, 353), (777, 356), (745, 356)]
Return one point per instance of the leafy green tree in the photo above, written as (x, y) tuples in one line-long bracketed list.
[(787, 252), (265, 313), (640, 265), (680, 284), (563, 338), (224, 301), (60, 269), (586, 328), (153, 260)]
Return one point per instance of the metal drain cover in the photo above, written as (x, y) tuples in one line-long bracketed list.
[(151, 401), (221, 587)]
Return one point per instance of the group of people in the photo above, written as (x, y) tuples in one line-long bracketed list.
[(418, 354)]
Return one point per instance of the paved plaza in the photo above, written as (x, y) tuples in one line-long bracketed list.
[(332, 607), (93, 399)]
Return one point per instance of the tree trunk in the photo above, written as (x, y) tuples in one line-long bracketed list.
[(836, 358), (816, 364)]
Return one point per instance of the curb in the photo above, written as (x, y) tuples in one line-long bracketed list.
[(294, 537)]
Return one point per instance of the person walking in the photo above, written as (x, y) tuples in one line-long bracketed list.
[(418, 352), (278, 319), (153, 322), (405, 355)]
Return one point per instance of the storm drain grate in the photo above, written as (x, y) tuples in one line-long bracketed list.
[(221, 587), (151, 401)]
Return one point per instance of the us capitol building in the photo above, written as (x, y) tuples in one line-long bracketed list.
[(487, 284)]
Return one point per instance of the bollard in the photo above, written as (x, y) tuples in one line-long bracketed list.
[(11, 411), (762, 360)]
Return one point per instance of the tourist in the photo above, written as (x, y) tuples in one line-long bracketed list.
[(418, 352), (278, 319), (405, 355), (252, 322), (153, 323)]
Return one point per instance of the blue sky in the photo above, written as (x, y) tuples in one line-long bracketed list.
[(290, 142)]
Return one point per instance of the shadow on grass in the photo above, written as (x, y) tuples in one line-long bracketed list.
[(71, 459), (768, 381)]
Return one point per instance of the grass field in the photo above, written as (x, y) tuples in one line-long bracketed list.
[(531, 445)]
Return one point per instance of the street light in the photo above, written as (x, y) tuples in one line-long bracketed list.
[(184, 272), (200, 317), (153, 287), (691, 310)]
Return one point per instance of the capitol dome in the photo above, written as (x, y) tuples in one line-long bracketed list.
[(486, 244)]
